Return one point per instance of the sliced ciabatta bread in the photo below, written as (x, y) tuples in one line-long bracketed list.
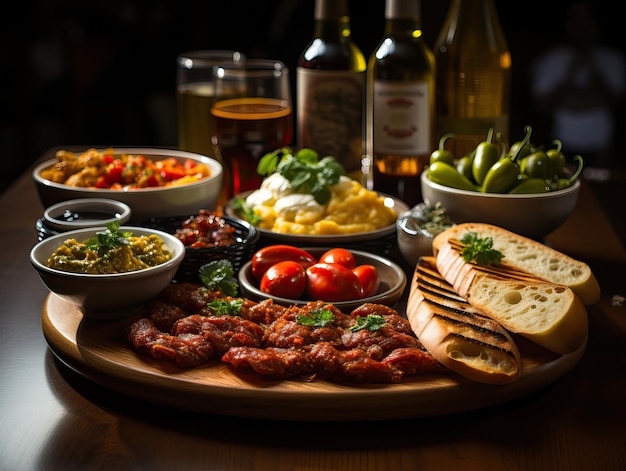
[(533, 257), (546, 313), (455, 332)]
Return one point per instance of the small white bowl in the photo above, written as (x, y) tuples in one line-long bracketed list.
[(392, 282), (145, 203), (106, 296), (85, 212), (414, 239), (532, 215)]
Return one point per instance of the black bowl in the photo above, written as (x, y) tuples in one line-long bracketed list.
[(246, 241)]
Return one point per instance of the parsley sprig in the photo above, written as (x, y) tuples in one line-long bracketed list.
[(480, 250), (108, 239), (371, 322), (226, 307), (219, 275), (304, 170), (316, 318)]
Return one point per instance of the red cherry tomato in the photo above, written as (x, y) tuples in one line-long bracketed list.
[(272, 254), (332, 282), (368, 275), (341, 256), (285, 279)]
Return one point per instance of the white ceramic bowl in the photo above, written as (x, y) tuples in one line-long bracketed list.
[(79, 214), (85, 212), (145, 203), (106, 296), (414, 239), (532, 215), (392, 282)]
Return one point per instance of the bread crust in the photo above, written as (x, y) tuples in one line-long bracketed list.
[(456, 333), (529, 256)]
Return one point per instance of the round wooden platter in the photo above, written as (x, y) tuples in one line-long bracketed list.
[(101, 352)]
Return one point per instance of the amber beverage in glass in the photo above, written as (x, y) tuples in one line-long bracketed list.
[(257, 121), (195, 94)]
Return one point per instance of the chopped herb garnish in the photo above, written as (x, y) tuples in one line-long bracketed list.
[(371, 322), (480, 250), (243, 209), (109, 239), (316, 318), (219, 275), (430, 218), (304, 171), (225, 307)]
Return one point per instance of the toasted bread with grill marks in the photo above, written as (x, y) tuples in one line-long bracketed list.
[(456, 333)]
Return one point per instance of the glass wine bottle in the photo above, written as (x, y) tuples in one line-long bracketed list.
[(330, 89), (401, 103), (473, 76)]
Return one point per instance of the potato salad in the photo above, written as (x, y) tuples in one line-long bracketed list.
[(352, 208)]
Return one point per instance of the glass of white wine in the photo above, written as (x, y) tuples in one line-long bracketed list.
[(195, 94), (257, 120)]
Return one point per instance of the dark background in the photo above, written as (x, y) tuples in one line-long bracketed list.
[(101, 73)]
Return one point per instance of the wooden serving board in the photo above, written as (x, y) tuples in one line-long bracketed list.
[(100, 351)]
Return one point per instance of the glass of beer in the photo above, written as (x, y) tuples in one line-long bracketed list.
[(195, 94), (257, 120)]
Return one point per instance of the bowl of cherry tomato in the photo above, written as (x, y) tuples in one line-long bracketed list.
[(152, 182), (346, 278)]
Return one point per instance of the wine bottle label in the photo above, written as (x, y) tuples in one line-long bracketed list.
[(401, 123), (330, 114)]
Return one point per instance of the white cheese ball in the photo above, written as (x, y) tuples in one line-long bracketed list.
[(277, 185), (298, 207), (272, 188), (260, 197)]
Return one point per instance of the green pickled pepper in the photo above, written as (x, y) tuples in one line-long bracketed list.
[(563, 183), (464, 167), (486, 155), (521, 148), (557, 159), (532, 185), (505, 174), (501, 177), (447, 175), (537, 165), (441, 154)]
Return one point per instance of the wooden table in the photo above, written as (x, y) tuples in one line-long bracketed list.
[(54, 418)]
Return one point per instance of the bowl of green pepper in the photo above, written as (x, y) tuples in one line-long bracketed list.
[(527, 189), (533, 215)]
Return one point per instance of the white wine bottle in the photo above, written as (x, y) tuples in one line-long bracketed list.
[(401, 103), (330, 89), (473, 76)]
